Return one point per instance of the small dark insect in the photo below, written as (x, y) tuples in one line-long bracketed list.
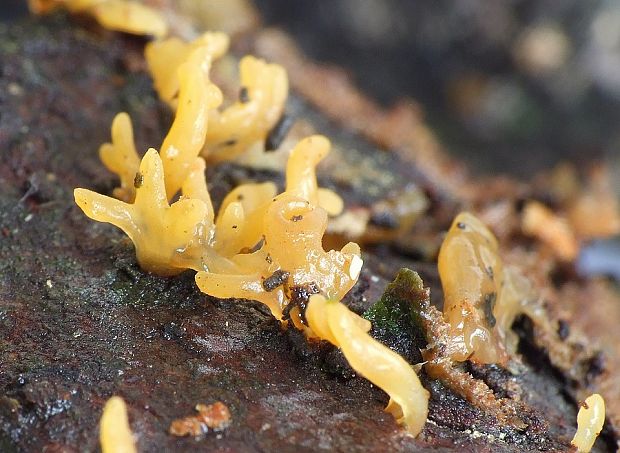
[(277, 135), (138, 180), (489, 304), (297, 218), (244, 95), (461, 226), (299, 296), (276, 279)]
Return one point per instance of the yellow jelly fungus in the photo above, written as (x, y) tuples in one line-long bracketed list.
[(590, 420), (334, 322), (239, 224), (121, 157), (183, 142), (158, 230), (481, 298), (293, 232), (249, 119), (164, 57), (301, 174), (118, 15), (471, 272), (255, 233), (115, 434), (197, 95)]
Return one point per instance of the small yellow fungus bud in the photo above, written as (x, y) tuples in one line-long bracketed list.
[(158, 230), (121, 157), (250, 119), (334, 322), (164, 57), (115, 434), (590, 420)]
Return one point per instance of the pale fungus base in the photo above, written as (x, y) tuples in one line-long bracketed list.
[(332, 321), (115, 434)]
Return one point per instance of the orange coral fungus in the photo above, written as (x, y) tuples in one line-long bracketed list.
[(334, 322), (255, 233), (118, 15)]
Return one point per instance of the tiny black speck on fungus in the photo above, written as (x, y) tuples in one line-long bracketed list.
[(489, 304), (276, 279), (138, 180), (244, 95)]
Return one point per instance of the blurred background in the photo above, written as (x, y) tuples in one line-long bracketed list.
[(510, 85)]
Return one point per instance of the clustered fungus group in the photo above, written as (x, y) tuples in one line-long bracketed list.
[(268, 246), (262, 245)]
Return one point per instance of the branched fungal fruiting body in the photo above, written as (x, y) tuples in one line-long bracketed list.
[(261, 245), (157, 229)]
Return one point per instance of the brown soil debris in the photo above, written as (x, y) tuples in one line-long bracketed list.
[(214, 416)]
